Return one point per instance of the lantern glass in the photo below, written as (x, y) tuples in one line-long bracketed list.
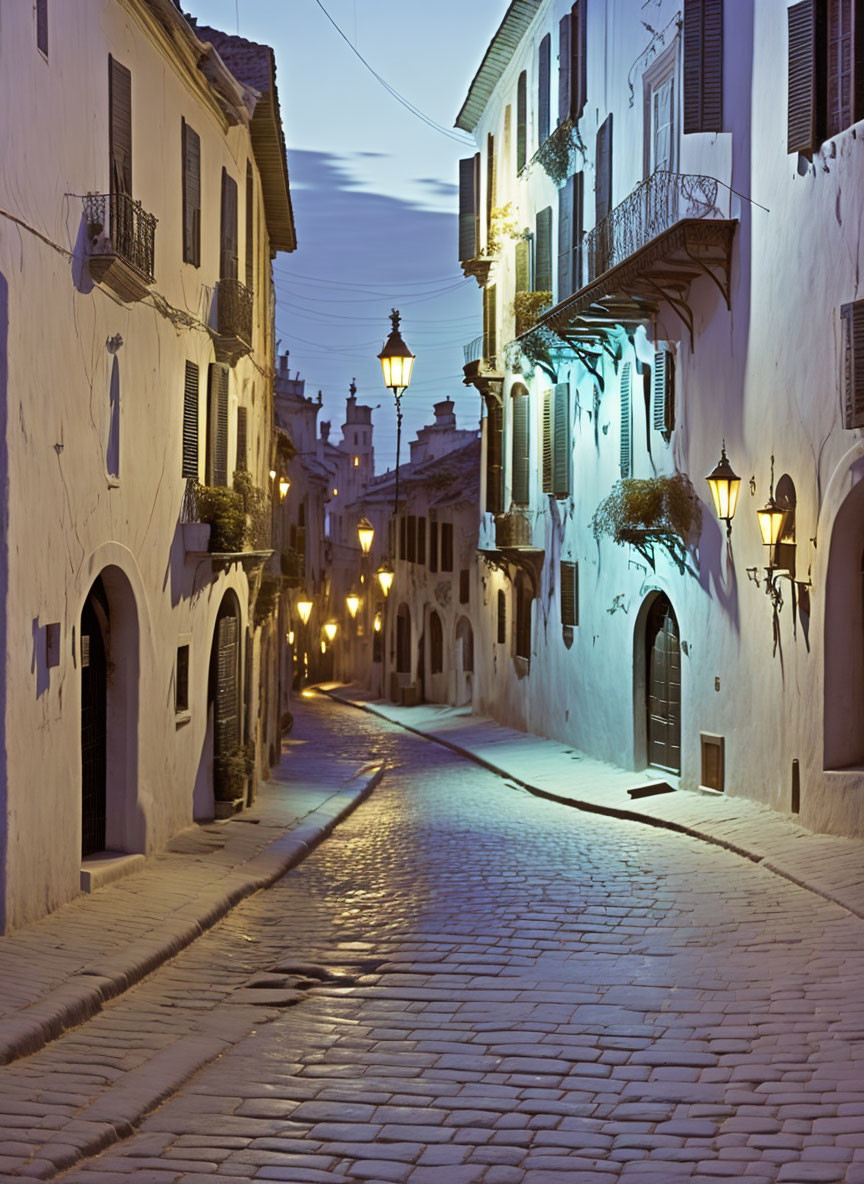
[(385, 579), (330, 630), (272, 474), (772, 519), (353, 603), (304, 609), (396, 358), (365, 533), (290, 637), (284, 486), (725, 486), (378, 623)]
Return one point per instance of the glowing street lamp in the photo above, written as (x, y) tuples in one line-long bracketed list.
[(397, 362), (385, 578), (725, 486), (378, 623), (284, 486), (304, 610), (772, 518), (365, 533), (353, 603), (330, 630)]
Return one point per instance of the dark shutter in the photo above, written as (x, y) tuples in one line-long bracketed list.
[(217, 425), (191, 195), (242, 439), (494, 439), (603, 166), (42, 25), (578, 228), (227, 715), (578, 58), (403, 537), (626, 458), (411, 546), (561, 441), (502, 616), (120, 129), (543, 258), (228, 240), (190, 421), (467, 243), (464, 586), (521, 121), (547, 441), (703, 65), (433, 546), (662, 394), (853, 316), (566, 284), (250, 226), (491, 186), (523, 266), (564, 69), (806, 78), (490, 325), (544, 62), (421, 540), (569, 592), (520, 468), (446, 546)]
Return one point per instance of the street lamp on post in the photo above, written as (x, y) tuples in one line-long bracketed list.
[(397, 362)]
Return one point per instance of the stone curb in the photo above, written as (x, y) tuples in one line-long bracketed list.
[(589, 807), (106, 977)]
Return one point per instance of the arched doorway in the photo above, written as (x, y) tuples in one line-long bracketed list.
[(663, 685), (94, 719), (843, 706), (224, 701), (464, 672)]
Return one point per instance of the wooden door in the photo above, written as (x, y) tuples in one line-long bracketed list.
[(227, 700), (94, 671), (664, 687)]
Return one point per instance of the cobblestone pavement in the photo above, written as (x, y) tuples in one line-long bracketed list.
[(465, 983)]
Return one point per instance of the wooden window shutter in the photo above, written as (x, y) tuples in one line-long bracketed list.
[(544, 66), (217, 425), (191, 195), (242, 438), (42, 25), (569, 592), (547, 441), (853, 316), (467, 241), (507, 149), (521, 407), (603, 167), (626, 458), (190, 422), (703, 65), (226, 725), (433, 546), (491, 185), (663, 392), (521, 121), (120, 129), (523, 266), (844, 38), (490, 324), (543, 265), (566, 285), (806, 78), (564, 69), (561, 441), (579, 60), (228, 241), (494, 441), (250, 226), (502, 616), (578, 228), (421, 540), (446, 546)]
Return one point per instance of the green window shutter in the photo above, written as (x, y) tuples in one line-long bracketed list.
[(523, 266), (569, 578), (494, 440), (703, 65), (520, 468), (543, 268), (467, 243), (547, 441), (521, 121), (190, 422), (561, 442), (566, 286), (663, 392), (544, 63), (578, 60), (853, 318), (626, 458), (806, 104), (564, 68)]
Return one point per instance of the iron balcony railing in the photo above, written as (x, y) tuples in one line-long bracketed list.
[(654, 205), (473, 351), (120, 226), (234, 310)]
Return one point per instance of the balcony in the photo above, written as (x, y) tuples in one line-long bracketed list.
[(481, 371), (514, 546), (233, 337), (122, 244), (672, 229)]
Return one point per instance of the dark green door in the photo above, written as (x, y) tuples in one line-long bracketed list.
[(664, 687)]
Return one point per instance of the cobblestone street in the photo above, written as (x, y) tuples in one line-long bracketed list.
[(466, 983)]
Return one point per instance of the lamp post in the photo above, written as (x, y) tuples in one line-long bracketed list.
[(397, 362), (725, 485)]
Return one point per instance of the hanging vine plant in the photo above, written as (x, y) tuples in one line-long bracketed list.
[(653, 509), (535, 349), (557, 154), (528, 307)]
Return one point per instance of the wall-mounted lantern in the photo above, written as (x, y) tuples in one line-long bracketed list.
[(284, 486), (304, 610), (378, 623), (330, 630), (353, 603), (725, 485), (385, 578), (772, 518), (365, 533)]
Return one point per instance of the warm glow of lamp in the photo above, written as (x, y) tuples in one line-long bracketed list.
[(353, 603), (378, 623), (272, 474), (365, 533), (385, 578), (772, 519), (323, 647), (330, 630), (396, 358), (284, 486), (725, 486), (304, 608), (290, 636)]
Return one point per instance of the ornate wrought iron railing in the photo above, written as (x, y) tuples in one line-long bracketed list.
[(473, 351), (654, 205), (120, 226), (234, 310)]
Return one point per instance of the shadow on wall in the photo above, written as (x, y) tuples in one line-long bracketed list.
[(844, 633), (80, 271)]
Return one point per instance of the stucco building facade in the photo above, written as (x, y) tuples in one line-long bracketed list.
[(665, 218)]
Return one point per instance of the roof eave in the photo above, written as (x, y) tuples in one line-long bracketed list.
[(501, 48)]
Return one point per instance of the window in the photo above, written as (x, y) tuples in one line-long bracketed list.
[(217, 425), (250, 226), (403, 537), (703, 65), (561, 445), (411, 543), (490, 326), (181, 680), (544, 58), (491, 199), (446, 546), (507, 149), (569, 592), (543, 251), (520, 459), (228, 235), (521, 121), (356, 462), (502, 616), (523, 618), (465, 645), (421, 540), (663, 393), (112, 450), (603, 167), (191, 195), (120, 126), (852, 316), (464, 586), (570, 231), (242, 437), (494, 445), (660, 102), (826, 71), (572, 60), (469, 207), (190, 422), (436, 644), (433, 546), (626, 449), (42, 26)]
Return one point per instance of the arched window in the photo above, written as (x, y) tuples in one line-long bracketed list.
[(436, 644), (465, 642)]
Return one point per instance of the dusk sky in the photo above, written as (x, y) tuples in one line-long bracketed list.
[(374, 191)]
